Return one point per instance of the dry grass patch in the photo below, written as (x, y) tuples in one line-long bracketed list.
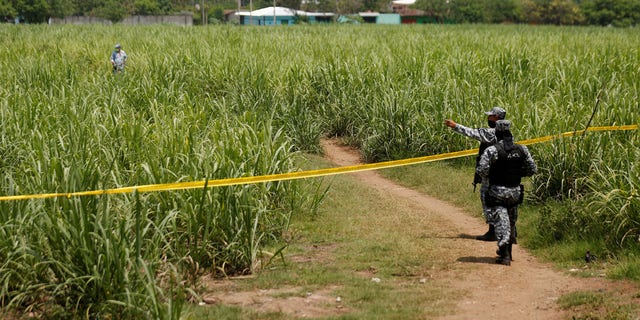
[(288, 300)]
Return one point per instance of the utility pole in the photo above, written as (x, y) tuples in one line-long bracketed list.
[(204, 17)]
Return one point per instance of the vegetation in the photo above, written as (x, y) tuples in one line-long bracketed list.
[(224, 102), (353, 240), (620, 13), (334, 258), (70, 125)]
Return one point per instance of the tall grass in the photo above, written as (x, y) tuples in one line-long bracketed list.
[(69, 125), (224, 101)]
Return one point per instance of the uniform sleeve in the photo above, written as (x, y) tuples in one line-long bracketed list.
[(489, 156), (530, 167), (113, 56), (124, 56), (486, 135)]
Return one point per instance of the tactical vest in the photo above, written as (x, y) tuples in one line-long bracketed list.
[(507, 170)]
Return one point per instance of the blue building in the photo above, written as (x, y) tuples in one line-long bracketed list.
[(380, 18), (270, 16)]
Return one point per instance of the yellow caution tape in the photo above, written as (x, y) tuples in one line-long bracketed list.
[(301, 174), (572, 133)]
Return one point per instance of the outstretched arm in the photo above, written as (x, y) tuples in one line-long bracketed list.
[(486, 135)]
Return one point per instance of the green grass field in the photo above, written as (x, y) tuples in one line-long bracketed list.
[(228, 101)]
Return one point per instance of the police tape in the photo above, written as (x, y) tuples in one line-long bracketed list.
[(301, 174)]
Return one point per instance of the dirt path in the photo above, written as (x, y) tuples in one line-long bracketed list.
[(528, 288)]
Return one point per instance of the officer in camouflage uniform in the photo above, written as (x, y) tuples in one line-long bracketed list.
[(118, 59), (504, 164), (487, 137)]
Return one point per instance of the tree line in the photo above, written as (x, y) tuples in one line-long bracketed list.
[(619, 13)]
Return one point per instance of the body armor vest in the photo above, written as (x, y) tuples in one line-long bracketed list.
[(507, 170)]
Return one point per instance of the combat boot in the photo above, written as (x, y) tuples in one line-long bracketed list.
[(489, 235), (505, 257), (509, 246), (500, 255)]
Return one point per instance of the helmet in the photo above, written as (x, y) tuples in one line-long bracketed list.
[(497, 111)]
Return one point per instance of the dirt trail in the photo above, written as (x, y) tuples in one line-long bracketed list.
[(528, 288)]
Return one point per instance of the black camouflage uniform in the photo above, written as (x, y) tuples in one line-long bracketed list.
[(504, 164)]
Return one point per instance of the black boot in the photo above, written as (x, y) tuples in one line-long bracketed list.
[(509, 251), (505, 257), (500, 255), (489, 236)]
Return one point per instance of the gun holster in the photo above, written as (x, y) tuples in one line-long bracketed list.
[(521, 198), (476, 179)]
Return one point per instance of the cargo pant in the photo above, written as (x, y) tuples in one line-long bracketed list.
[(500, 199)]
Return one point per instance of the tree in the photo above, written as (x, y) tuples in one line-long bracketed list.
[(440, 10), (564, 12), (33, 11), (165, 6), (7, 11), (467, 11), (61, 8), (215, 14), (533, 12), (376, 5), (348, 6), (293, 4), (611, 12), (146, 7), (497, 11), (318, 5), (112, 10), (559, 12), (85, 7)]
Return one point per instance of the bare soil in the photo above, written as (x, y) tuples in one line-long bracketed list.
[(528, 289)]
